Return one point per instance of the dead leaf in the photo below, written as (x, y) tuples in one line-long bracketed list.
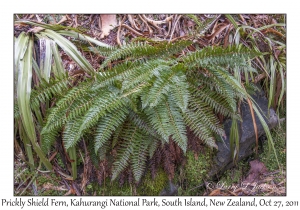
[(215, 192), (36, 29), (257, 168), (108, 22)]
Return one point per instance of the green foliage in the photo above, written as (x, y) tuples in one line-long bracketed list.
[(153, 187), (194, 172), (268, 156), (144, 93), (144, 98), (36, 89)]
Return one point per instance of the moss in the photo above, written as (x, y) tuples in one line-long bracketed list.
[(234, 175), (194, 172), (52, 179), (153, 187), (112, 189), (268, 156)]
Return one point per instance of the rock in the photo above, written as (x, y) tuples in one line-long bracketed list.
[(223, 159)]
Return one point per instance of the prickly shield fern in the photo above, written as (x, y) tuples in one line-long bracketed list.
[(145, 93)]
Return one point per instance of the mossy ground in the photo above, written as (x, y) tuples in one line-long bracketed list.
[(191, 175)]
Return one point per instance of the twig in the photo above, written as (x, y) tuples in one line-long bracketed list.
[(132, 22), (174, 28), (155, 22), (119, 30), (131, 29), (76, 189), (149, 28)]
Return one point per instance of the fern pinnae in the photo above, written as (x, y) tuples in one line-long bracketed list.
[(207, 117), (119, 72), (140, 120), (192, 119), (145, 73), (48, 139), (179, 91), (108, 102), (46, 91), (134, 50), (129, 134), (216, 101), (159, 90), (64, 103), (159, 119), (71, 136), (107, 125), (227, 57), (177, 126), (139, 156)]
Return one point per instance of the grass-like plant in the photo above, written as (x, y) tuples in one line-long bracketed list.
[(50, 79)]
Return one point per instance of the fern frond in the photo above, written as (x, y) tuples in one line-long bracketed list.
[(216, 83), (134, 50), (140, 120), (179, 91), (57, 115), (224, 76), (139, 156), (165, 48), (48, 139), (159, 119), (116, 135), (176, 124), (107, 125), (118, 73), (143, 50), (206, 115), (193, 120), (154, 146), (145, 72), (218, 56), (107, 103), (104, 51), (130, 134), (47, 90), (158, 91), (70, 132), (216, 101)]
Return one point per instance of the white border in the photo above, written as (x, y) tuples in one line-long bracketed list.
[(8, 8)]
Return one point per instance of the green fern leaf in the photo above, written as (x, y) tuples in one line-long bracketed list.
[(158, 91), (218, 56), (107, 103), (206, 115), (47, 90), (193, 120), (159, 119), (107, 125), (130, 134), (179, 91), (139, 156), (176, 124), (134, 50), (145, 73)]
